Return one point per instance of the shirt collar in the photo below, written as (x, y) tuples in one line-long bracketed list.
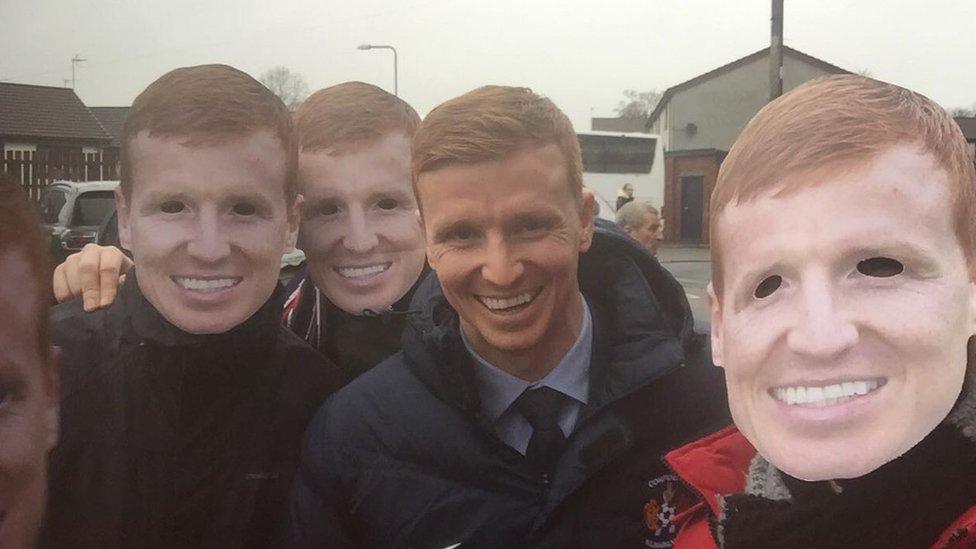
[(499, 389)]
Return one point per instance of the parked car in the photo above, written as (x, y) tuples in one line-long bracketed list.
[(74, 211)]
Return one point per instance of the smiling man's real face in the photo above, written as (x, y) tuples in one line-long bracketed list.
[(504, 237), (207, 225), (360, 230), (845, 313)]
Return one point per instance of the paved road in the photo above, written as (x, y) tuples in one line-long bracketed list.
[(693, 269)]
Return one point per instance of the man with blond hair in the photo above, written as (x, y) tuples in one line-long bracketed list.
[(545, 368), (846, 339), (183, 403)]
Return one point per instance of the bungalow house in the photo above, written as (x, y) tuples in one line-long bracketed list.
[(111, 118), (699, 119), (47, 133)]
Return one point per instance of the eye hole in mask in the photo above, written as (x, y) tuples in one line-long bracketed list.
[(880, 267), (769, 285)]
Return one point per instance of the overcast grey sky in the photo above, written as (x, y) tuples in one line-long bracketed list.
[(581, 54)]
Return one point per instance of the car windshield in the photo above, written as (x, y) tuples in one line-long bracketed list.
[(93, 207), (51, 205)]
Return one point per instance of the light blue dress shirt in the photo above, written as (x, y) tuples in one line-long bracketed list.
[(499, 389)]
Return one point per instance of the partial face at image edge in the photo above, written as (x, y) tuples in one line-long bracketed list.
[(207, 225), (845, 313), (28, 406)]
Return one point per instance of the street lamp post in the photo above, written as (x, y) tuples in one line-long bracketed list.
[(384, 47)]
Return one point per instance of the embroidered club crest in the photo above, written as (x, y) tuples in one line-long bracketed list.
[(668, 497)]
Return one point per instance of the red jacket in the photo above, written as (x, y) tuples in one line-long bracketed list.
[(717, 465)]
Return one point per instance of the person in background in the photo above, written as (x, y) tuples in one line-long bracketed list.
[(642, 222), (547, 368), (625, 195), (184, 402), (847, 340), (359, 230), (29, 372)]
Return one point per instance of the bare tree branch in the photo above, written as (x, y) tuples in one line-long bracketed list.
[(289, 86), (637, 104)]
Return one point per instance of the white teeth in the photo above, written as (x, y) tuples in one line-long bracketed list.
[(205, 283), (356, 272), (827, 395), (498, 303)]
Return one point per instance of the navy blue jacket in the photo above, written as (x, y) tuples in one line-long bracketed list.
[(404, 457)]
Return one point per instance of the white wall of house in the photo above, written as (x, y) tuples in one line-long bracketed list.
[(720, 107), (23, 173)]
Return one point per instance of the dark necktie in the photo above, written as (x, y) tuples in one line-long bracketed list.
[(540, 407)]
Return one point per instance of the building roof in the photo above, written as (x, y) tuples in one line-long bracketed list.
[(29, 111), (968, 126), (827, 67), (111, 118), (617, 124)]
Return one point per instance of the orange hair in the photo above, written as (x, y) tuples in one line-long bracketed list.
[(842, 119), (207, 105), (341, 117), (21, 233), (490, 123)]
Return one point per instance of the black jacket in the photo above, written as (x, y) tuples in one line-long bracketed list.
[(355, 343), (176, 440), (404, 457), (623, 200)]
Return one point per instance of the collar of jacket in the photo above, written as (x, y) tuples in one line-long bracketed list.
[(713, 465), (641, 318), (144, 323), (302, 319)]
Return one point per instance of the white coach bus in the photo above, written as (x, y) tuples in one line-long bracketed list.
[(611, 159)]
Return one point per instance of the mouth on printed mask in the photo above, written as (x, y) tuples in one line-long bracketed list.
[(362, 271), (822, 396), (206, 284), (511, 303)]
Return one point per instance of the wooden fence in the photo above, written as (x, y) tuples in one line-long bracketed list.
[(35, 175)]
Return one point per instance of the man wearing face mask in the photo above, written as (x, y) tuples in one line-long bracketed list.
[(184, 402), (847, 342), (359, 231)]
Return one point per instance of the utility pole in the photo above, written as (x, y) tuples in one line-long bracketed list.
[(74, 61), (776, 52)]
